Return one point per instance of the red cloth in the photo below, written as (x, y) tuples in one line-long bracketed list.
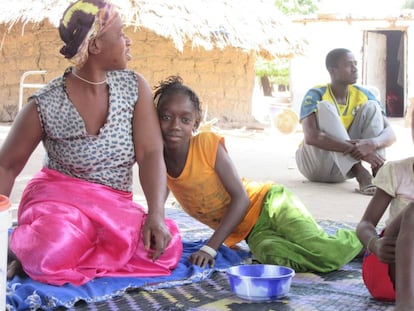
[(376, 278), (71, 231)]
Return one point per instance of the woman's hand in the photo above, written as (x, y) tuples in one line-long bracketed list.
[(156, 236)]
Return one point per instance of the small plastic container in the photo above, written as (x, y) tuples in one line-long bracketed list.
[(258, 283), (5, 224)]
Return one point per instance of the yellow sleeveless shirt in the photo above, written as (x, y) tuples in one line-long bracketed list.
[(202, 195)]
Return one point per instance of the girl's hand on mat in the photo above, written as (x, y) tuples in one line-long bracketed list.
[(201, 259), (384, 248), (156, 237)]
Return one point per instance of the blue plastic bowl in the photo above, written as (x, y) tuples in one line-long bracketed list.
[(260, 282)]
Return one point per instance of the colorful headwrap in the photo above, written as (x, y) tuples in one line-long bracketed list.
[(83, 21)]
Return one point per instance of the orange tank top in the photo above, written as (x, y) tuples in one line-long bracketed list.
[(201, 194)]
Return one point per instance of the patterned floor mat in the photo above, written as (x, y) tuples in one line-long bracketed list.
[(336, 291), (340, 290)]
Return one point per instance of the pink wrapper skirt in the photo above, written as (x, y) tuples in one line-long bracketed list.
[(72, 231)]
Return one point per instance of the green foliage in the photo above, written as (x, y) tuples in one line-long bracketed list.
[(408, 4), (297, 6), (277, 70)]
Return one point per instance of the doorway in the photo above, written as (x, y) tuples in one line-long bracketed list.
[(384, 68)]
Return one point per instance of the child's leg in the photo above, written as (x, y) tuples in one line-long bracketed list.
[(402, 272), (287, 234), (404, 256)]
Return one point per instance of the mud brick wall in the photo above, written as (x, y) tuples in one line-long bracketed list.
[(223, 79)]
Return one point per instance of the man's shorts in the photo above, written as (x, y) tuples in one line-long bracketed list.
[(376, 278)]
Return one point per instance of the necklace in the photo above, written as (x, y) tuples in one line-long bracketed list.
[(87, 81), (342, 109)]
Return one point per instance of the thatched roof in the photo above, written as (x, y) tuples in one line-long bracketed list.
[(247, 24), (405, 18)]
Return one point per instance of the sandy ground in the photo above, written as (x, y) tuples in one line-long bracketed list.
[(275, 160), (269, 155)]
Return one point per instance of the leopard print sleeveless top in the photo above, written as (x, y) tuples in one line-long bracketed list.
[(106, 158)]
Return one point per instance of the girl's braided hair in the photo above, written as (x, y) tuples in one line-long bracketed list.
[(174, 85)]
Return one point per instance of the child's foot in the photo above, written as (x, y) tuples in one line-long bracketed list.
[(14, 267)]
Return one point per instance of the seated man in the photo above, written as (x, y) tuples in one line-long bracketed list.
[(343, 125)]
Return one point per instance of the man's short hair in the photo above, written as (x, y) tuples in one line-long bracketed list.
[(333, 56)]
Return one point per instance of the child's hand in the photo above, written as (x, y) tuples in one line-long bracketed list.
[(384, 249), (201, 259)]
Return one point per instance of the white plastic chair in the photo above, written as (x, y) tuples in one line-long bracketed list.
[(28, 85)]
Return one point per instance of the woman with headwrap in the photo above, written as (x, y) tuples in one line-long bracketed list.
[(76, 219)]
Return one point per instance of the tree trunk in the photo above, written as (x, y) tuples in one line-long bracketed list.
[(267, 88)]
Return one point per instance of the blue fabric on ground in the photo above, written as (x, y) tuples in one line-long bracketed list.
[(26, 294)]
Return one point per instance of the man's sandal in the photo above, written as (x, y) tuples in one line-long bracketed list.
[(366, 190)]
